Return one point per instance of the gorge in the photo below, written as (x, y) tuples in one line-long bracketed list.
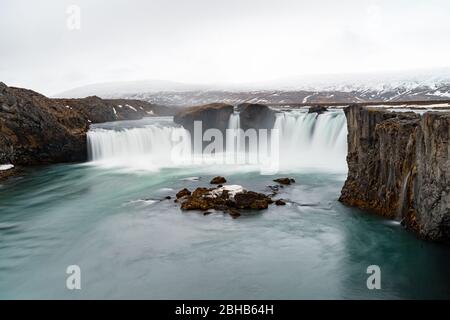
[(105, 200)]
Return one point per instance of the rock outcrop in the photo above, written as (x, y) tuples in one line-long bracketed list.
[(317, 109), (35, 129), (217, 115), (212, 116), (399, 167), (218, 180), (285, 181), (228, 199), (256, 116), (99, 110)]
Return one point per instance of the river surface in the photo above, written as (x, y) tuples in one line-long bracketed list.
[(130, 242)]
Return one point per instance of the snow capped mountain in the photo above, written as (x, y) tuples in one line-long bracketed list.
[(433, 84), (121, 88)]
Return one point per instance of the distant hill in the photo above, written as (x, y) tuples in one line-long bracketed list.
[(123, 88), (433, 84)]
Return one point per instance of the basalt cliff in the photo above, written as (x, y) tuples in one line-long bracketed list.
[(217, 115), (35, 129), (399, 167)]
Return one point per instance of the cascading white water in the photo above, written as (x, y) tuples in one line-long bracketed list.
[(147, 148), (402, 198), (235, 121), (233, 143), (306, 141), (309, 140)]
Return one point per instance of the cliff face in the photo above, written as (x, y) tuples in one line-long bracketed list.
[(35, 129), (432, 187), (212, 116), (256, 116), (217, 115), (398, 167)]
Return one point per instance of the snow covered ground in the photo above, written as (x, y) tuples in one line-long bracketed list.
[(4, 167)]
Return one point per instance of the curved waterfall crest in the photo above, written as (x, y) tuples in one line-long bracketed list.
[(306, 140)]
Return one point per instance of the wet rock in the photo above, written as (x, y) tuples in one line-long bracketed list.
[(168, 197), (233, 213), (280, 202), (317, 109), (228, 199), (200, 192), (182, 193), (275, 189), (193, 203), (285, 181), (251, 200), (218, 180)]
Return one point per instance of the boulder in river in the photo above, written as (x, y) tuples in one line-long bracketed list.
[(218, 180), (182, 193), (252, 200), (285, 181)]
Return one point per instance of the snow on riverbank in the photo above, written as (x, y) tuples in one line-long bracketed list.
[(4, 167)]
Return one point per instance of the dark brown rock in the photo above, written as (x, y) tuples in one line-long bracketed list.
[(214, 115), (256, 116), (182, 193), (285, 181), (280, 202), (317, 109), (251, 200), (104, 110), (35, 129), (195, 203), (218, 180), (234, 213), (205, 199), (398, 167)]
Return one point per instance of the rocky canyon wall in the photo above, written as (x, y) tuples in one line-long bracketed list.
[(35, 129), (399, 167)]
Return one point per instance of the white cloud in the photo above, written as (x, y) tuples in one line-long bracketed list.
[(215, 41)]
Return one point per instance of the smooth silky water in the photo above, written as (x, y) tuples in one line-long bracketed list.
[(109, 216)]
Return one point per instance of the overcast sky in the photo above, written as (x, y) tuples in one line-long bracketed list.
[(204, 41)]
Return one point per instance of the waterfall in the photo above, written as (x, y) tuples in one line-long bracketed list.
[(235, 121), (307, 140), (147, 148), (233, 143), (402, 198)]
